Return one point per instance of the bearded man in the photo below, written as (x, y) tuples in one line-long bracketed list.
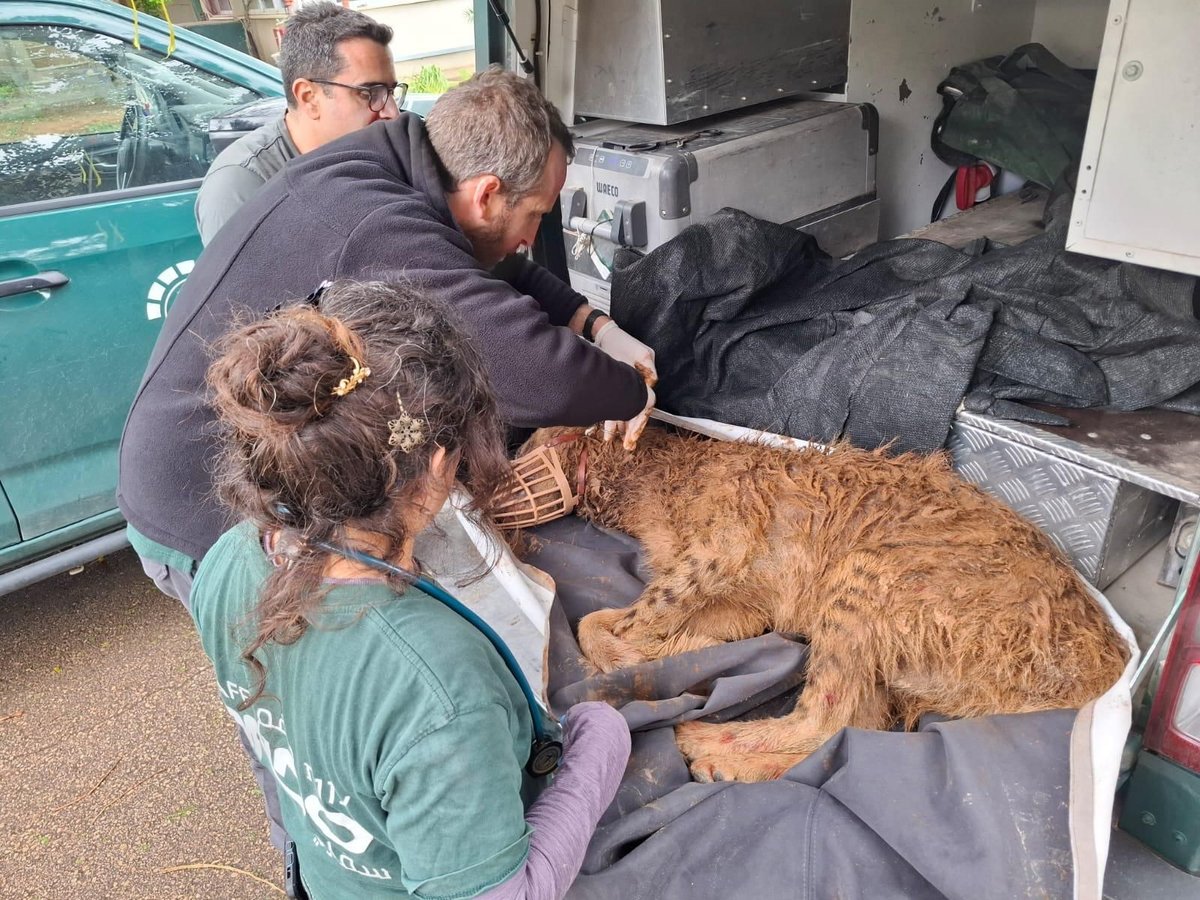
[(448, 204)]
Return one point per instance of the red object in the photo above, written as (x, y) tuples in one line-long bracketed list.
[(279, 31), (968, 182), (1174, 727)]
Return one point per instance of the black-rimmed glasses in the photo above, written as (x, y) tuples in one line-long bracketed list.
[(376, 94)]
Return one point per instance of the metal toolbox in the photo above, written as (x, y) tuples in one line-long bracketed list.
[(805, 163), (668, 61), (1101, 521)]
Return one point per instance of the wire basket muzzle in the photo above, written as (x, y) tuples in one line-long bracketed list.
[(539, 491)]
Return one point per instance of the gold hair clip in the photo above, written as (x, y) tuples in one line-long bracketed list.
[(407, 433), (357, 377)]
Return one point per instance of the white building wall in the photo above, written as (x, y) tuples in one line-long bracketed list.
[(1071, 29), (899, 51)]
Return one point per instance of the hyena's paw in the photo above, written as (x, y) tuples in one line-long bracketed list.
[(697, 740), (601, 646), (714, 754), (742, 766)]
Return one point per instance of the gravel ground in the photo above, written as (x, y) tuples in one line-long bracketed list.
[(117, 761)]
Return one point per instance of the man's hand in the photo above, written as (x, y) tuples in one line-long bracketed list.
[(635, 426), (624, 347), (632, 430)]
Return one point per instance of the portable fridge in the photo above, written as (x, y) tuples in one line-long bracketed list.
[(805, 163)]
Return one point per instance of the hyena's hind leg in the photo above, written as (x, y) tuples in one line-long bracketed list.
[(841, 690)]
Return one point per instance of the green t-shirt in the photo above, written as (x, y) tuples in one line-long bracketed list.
[(149, 549), (396, 733)]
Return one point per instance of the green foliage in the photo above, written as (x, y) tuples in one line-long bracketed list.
[(430, 80), (156, 8), (7, 89), (458, 76)]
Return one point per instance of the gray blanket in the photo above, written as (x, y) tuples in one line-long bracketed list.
[(960, 809), (753, 325)]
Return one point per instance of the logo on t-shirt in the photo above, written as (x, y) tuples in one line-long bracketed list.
[(338, 833)]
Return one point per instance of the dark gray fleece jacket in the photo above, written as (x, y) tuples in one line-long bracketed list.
[(367, 206)]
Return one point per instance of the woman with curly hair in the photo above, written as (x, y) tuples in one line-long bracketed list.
[(397, 736)]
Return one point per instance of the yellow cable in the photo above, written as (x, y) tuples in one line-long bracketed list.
[(170, 28), (137, 42), (86, 174)]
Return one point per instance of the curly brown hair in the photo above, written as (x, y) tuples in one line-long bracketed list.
[(298, 459)]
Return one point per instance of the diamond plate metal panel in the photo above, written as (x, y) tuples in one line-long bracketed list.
[(1072, 504)]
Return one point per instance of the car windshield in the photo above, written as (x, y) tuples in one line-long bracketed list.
[(82, 112)]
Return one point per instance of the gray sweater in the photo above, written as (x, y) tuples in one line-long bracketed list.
[(239, 172), (367, 206)]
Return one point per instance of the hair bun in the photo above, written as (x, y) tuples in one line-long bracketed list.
[(285, 435), (279, 374)]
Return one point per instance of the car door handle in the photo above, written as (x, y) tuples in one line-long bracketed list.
[(43, 281)]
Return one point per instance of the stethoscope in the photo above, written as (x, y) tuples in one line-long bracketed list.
[(546, 751)]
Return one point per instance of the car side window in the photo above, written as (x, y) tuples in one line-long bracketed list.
[(85, 113)]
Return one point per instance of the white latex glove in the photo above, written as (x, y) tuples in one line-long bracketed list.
[(632, 430), (624, 347)]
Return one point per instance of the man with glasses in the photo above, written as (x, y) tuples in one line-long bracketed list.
[(338, 76)]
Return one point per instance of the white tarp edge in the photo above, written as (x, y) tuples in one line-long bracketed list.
[(1097, 742), (512, 597)]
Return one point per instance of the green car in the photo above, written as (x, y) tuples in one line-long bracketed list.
[(103, 142)]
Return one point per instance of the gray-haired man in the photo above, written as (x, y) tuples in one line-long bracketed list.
[(338, 76), (444, 204)]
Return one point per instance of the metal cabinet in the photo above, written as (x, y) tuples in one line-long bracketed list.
[(1139, 187)]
